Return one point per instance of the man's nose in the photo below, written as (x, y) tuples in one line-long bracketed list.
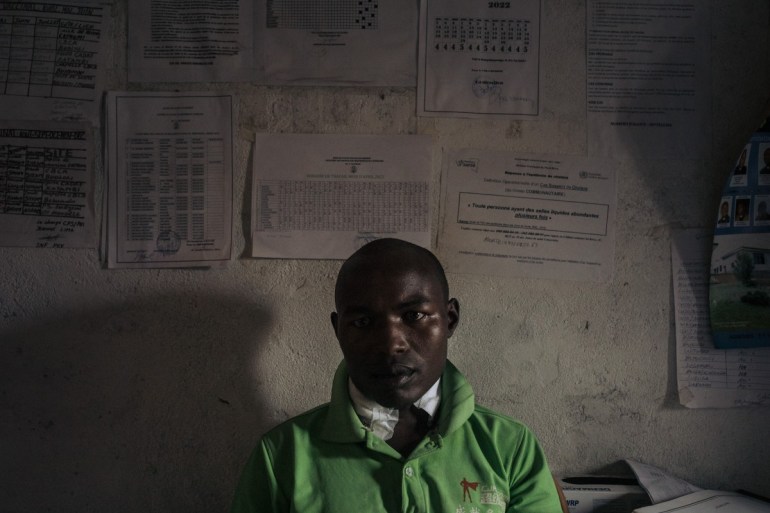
[(393, 337)]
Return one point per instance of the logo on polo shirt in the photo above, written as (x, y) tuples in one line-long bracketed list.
[(480, 498), (467, 487)]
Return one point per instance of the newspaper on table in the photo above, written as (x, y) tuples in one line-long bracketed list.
[(709, 501), (659, 484)]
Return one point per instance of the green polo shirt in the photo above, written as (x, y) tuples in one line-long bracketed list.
[(325, 460)]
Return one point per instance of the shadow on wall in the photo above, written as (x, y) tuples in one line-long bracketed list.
[(144, 406)]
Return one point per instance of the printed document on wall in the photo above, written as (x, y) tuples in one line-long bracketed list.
[(533, 216), (52, 59), (324, 196), (648, 79), (337, 42), (479, 59), (708, 377), (46, 185), (182, 41), (169, 166), (309, 42)]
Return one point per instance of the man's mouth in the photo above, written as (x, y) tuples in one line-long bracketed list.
[(394, 374)]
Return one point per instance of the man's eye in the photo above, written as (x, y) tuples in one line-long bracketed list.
[(413, 316), (361, 322)]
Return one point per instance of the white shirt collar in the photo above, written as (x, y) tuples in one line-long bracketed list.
[(381, 420)]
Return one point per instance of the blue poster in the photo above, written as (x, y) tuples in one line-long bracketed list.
[(739, 290)]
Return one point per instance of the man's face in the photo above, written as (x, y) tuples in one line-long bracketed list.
[(392, 323)]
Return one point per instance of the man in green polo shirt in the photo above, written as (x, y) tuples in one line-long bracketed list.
[(402, 431)]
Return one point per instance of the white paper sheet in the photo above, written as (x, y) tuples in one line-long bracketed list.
[(534, 216), (337, 42), (324, 196), (479, 59), (660, 485), (46, 185), (648, 85), (310, 42), (182, 41), (169, 163), (709, 501), (52, 63), (709, 377)]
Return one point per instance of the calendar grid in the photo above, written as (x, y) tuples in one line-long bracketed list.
[(507, 36), (323, 14)]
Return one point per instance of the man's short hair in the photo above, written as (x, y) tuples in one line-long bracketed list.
[(395, 246)]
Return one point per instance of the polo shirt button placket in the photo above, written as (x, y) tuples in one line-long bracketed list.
[(409, 471)]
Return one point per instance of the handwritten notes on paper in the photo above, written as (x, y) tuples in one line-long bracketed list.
[(46, 185), (709, 377), (52, 59)]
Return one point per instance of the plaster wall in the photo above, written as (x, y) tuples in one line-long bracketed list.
[(145, 390)]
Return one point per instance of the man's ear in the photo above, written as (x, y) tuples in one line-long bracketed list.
[(334, 322), (453, 315)]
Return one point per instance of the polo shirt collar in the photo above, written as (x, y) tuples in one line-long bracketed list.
[(343, 425), (382, 420)]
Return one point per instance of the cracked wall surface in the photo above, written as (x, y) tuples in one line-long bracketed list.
[(145, 390)]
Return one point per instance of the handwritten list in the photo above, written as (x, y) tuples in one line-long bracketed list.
[(46, 185), (708, 377), (52, 59)]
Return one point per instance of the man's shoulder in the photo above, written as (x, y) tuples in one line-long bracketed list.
[(495, 418), (306, 422), (498, 428), (500, 433)]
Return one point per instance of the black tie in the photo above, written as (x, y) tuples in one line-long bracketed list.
[(423, 419)]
